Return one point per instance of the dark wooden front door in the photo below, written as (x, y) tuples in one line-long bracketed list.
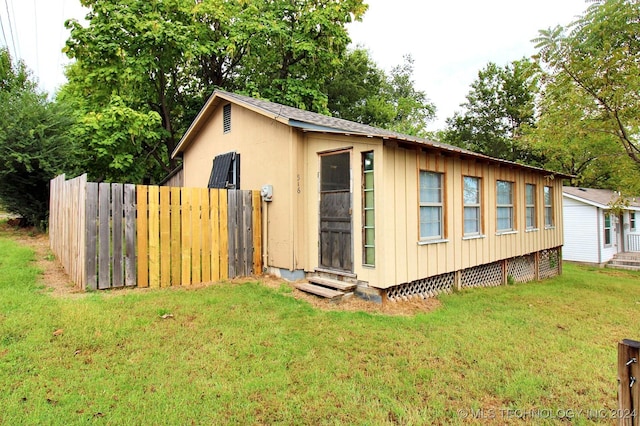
[(335, 212)]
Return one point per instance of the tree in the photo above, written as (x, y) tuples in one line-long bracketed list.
[(499, 106), (564, 140), (360, 91), (159, 60), (598, 54), (34, 143)]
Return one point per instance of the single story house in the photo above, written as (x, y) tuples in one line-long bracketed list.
[(397, 214), (592, 234)]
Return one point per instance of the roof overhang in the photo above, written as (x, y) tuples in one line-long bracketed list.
[(585, 201), (596, 204)]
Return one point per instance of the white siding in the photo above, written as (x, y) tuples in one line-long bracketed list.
[(582, 232)]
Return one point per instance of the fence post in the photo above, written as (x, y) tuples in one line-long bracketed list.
[(628, 382)]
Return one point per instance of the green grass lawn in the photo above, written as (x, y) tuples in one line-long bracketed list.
[(247, 354)]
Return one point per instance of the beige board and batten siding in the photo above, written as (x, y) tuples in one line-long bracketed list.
[(315, 145), (407, 259), (262, 161)]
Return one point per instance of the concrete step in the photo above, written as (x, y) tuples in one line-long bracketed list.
[(624, 262), (319, 290), (626, 267), (331, 283), (627, 256)]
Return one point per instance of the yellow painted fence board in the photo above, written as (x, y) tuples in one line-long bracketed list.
[(186, 236), (206, 235), (176, 227), (165, 237), (154, 236), (143, 236)]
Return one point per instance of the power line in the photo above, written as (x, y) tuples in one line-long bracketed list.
[(4, 36), (60, 54), (13, 40), (35, 18), (15, 24)]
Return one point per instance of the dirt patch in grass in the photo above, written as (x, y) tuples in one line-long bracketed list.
[(354, 303), (53, 275), (58, 283)]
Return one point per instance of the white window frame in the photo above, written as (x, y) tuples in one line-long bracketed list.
[(368, 246), (608, 230), (548, 207), (426, 205), (476, 207), (530, 206), (509, 207)]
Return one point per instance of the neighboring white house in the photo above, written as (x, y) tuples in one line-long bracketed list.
[(591, 235)]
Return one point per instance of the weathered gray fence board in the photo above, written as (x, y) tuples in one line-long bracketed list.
[(92, 235), (238, 233), (232, 225), (247, 232), (116, 216), (130, 234), (104, 231)]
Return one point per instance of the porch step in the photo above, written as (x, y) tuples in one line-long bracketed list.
[(625, 260), (627, 267), (331, 283), (627, 256), (319, 290)]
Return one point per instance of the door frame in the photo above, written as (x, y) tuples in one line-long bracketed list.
[(320, 154)]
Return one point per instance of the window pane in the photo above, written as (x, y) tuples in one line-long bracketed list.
[(368, 199), (471, 220), (369, 236), (430, 187), (368, 180), (530, 217), (505, 216), (547, 196), (471, 190), (335, 172), (369, 256), (369, 216), (548, 216), (367, 161), (530, 189), (430, 219), (471, 213), (504, 192)]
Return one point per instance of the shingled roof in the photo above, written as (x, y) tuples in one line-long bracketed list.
[(314, 122), (597, 197)]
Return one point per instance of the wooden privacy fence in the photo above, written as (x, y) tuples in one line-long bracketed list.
[(113, 235)]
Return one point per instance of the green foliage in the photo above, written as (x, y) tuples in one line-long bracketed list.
[(499, 106), (567, 141), (598, 55), (119, 141), (163, 59), (360, 91), (34, 143), (297, 46)]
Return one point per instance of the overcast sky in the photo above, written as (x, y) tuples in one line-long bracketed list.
[(449, 40)]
